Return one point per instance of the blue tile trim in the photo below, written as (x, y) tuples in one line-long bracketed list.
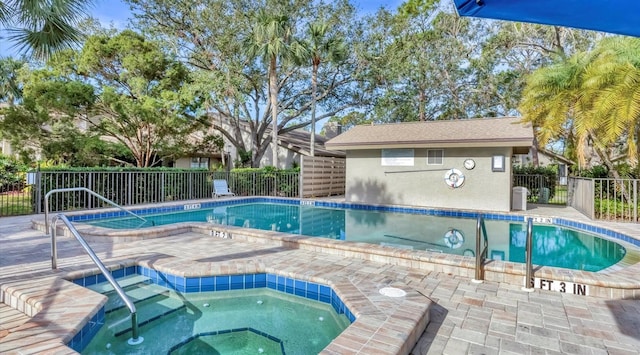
[(86, 334), (306, 289)]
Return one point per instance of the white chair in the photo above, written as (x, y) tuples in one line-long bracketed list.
[(220, 188)]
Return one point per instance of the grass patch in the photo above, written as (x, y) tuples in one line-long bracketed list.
[(560, 197), (16, 203)]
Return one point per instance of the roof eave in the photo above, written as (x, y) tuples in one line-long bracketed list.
[(516, 142)]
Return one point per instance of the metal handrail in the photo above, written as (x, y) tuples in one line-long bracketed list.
[(70, 189), (528, 278), (135, 338), (481, 254)]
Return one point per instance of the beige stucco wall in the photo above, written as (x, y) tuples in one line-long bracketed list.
[(423, 185), (182, 163), (286, 158), (185, 163), (5, 148)]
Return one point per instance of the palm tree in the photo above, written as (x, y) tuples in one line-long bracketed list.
[(552, 101), (43, 26), (10, 89), (272, 39), (614, 83), (589, 97), (320, 48)]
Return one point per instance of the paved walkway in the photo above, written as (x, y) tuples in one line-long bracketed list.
[(466, 318)]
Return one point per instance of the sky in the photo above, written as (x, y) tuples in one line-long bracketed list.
[(117, 13)]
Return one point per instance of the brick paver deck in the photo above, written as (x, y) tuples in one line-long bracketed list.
[(464, 317)]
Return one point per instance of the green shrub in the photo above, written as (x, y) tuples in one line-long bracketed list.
[(596, 172), (267, 181), (11, 173), (614, 210)]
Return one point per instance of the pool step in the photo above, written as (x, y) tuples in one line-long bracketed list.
[(126, 281), (151, 301), (136, 287), (148, 310), (137, 293)]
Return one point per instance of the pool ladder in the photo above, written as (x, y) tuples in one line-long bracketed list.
[(135, 337), (481, 253), (71, 189)]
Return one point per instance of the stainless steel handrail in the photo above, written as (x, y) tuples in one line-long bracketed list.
[(70, 189), (481, 254), (135, 338), (528, 278)]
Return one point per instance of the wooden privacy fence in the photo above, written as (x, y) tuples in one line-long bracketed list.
[(321, 176)]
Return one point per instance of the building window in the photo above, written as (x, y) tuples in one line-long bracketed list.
[(435, 156), (199, 163), (397, 157)]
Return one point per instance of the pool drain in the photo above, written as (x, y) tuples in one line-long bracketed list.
[(392, 292)]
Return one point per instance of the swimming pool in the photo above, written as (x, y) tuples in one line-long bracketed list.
[(227, 314), (450, 232)]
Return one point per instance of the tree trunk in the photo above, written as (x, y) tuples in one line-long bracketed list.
[(422, 98), (314, 85), (604, 156), (534, 152), (273, 96)]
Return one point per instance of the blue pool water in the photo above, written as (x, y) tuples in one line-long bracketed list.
[(226, 314), (552, 245)]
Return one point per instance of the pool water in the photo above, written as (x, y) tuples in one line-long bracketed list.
[(251, 321), (236, 343), (552, 245)]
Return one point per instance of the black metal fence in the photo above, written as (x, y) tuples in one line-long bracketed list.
[(135, 188), (281, 183), (543, 189), (16, 199)]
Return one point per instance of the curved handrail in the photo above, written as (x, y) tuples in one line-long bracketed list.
[(100, 265), (70, 189), (481, 254)]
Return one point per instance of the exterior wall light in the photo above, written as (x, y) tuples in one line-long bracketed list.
[(497, 163)]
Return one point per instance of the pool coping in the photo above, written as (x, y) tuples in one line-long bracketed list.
[(382, 324), (616, 282)]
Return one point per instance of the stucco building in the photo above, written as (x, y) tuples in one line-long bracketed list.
[(461, 164)]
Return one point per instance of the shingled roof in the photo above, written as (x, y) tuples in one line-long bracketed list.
[(298, 141), (485, 132)]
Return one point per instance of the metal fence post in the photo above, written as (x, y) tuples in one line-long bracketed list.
[(635, 200), (90, 187), (300, 177), (38, 194), (162, 194), (129, 187), (528, 278)]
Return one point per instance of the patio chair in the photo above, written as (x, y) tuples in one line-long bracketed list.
[(220, 188)]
